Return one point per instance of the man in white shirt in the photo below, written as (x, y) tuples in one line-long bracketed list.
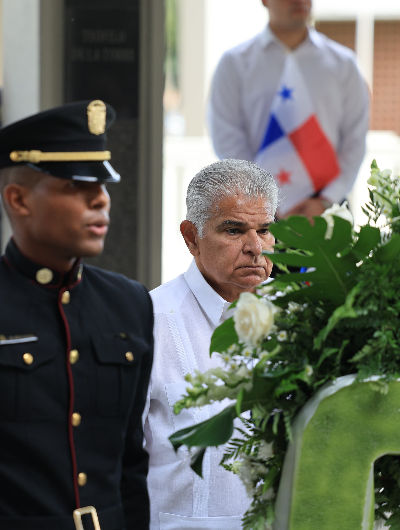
[(246, 81), (230, 206)]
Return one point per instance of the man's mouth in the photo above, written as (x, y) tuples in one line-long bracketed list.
[(98, 227), (251, 267)]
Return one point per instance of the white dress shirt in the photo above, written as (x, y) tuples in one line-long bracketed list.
[(246, 81), (186, 311)]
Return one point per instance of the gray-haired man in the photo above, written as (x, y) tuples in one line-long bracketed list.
[(230, 206)]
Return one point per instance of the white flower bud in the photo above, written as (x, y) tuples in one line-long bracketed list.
[(339, 211), (266, 289), (265, 450), (269, 494), (282, 336), (374, 179), (293, 306), (309, 370), (385, 173)]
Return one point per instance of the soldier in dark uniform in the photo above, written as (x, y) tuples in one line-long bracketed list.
[(75, 341)]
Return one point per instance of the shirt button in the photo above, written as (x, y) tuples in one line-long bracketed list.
[(82, 479), (28, 358), (65, 298), (76, 419), (73, 356), (129, 356)]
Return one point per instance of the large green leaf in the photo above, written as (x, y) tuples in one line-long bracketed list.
[(390, 251), (212, 432), (335, 259), (368, 238), (344, 311), (262, 390), (219, 429), (224, 336)]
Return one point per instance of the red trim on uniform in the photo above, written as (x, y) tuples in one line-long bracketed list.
[(51, 286), (75, 284), (71, 402), (7, 263)]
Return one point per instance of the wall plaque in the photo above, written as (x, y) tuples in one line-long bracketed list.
[(102, 59)]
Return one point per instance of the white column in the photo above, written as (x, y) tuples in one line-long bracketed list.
[(21, 62), (192, 64), (51, 53), (21, 58), (150, 179), (365, 45), (32, 33)]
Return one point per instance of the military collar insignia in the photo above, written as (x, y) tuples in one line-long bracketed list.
[(44, 276), (40, 274)]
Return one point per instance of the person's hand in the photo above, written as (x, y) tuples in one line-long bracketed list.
[(308, 208)]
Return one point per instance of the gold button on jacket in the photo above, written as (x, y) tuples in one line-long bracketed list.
[(82, 479), (129, 356), (65, 298), (28, 358), (73, 356), (76, 419)]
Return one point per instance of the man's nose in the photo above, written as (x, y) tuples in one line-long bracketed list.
[(252, 243), (101, 198)]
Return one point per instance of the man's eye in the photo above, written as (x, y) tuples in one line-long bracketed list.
[(73, 184), (232, 231), (263, 231)]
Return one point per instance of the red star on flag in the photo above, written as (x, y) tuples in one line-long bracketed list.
[(283, 177)]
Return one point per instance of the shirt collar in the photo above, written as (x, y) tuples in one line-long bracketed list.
[(210, 301), (39, 273), (268, 37), (315, 37)]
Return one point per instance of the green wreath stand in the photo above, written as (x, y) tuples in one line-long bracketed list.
[(327, 481)]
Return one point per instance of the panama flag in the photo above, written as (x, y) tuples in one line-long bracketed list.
[(295, 149)]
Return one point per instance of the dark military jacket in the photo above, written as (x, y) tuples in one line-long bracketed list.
[(75, 359)]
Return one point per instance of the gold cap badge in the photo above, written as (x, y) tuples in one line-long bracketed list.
[(96, 112)]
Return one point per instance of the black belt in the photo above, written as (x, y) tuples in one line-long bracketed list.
[(109, 519)]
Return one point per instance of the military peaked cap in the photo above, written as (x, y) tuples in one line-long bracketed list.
[(67, 142)]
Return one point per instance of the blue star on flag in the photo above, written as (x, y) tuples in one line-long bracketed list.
[(286, 93)]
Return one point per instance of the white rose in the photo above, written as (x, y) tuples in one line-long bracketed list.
[(253, 318), (339, 211)]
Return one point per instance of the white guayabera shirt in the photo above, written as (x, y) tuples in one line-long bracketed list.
[(186, 310)]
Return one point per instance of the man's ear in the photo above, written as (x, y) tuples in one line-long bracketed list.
[(191, 236), (14, 196)]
